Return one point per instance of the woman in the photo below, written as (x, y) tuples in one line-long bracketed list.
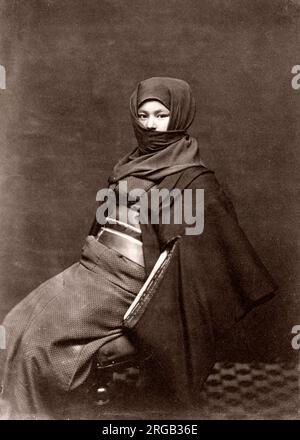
[(54, 333)]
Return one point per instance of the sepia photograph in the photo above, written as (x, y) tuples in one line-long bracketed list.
[(149, 211)]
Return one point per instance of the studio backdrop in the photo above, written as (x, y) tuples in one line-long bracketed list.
[(70, 67)]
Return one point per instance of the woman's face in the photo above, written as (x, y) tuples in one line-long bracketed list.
[(154, 115)]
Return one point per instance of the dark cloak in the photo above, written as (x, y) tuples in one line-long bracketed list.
[(210, 282)]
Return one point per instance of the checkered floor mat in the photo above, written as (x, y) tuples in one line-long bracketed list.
[(255, 390), (232, 391)]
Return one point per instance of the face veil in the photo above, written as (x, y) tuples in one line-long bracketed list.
[(175, 94), (161, 153)]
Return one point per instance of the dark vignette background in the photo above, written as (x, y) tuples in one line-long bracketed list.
[(71, 67)]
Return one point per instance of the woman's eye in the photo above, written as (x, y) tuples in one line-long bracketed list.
[(142, 116), (163, 116)]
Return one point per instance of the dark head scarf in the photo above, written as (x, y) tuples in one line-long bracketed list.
[(159, 153)]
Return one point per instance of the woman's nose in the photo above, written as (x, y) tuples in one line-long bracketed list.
[(151, 122)]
